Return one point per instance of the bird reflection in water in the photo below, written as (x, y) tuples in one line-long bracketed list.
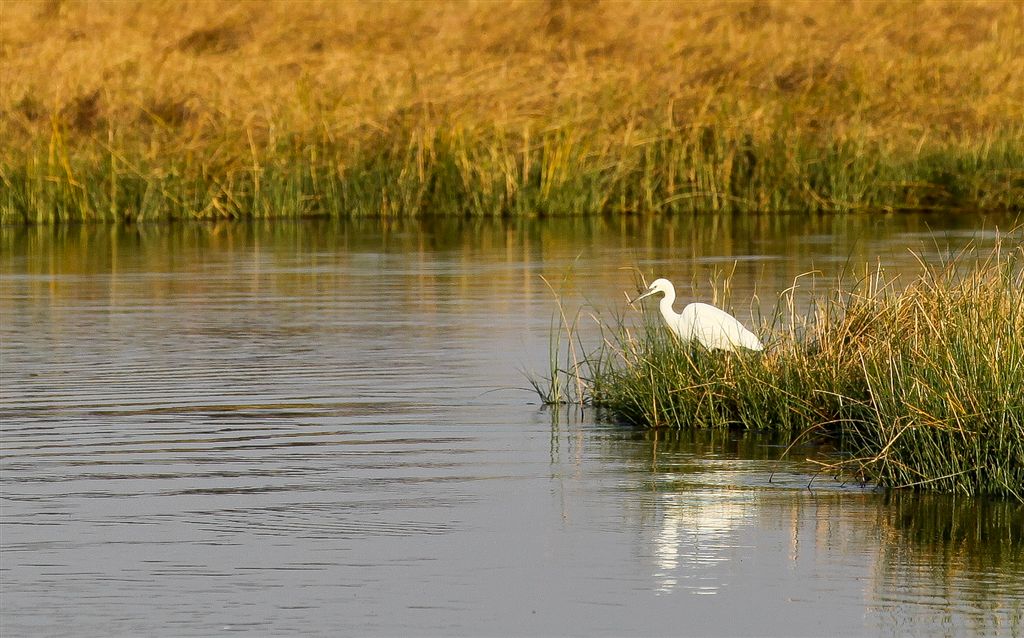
[(696, 530)]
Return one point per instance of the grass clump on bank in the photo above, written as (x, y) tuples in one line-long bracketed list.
[(922, 385), (163, 110)]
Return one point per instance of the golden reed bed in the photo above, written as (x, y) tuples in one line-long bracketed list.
[(242, 84)]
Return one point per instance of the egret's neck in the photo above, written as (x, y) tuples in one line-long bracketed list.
[(666, 305)]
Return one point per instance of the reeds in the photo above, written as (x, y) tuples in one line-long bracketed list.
[(922, 383), (149, 110)]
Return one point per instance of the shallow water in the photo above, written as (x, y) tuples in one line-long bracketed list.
[(322, 429)]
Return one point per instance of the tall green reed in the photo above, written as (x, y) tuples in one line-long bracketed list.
[(490, 172)]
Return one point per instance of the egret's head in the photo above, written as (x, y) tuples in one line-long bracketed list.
[(663, 286)]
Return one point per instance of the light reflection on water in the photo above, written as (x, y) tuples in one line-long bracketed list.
[(318, 429)]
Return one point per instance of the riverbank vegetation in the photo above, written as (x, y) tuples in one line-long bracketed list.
[(167, 110), (920, 383)]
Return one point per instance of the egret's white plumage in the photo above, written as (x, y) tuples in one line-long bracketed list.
[(713, 328)]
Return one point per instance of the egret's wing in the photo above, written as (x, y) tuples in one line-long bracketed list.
[(715, 328)]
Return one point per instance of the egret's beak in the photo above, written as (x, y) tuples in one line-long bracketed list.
[(646, 294)]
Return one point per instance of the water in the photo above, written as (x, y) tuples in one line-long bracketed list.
[(322, 429)]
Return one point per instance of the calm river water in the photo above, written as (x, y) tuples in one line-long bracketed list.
[(322, 429)]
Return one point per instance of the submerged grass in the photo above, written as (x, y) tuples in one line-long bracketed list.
[(163, 110), (922, 384)]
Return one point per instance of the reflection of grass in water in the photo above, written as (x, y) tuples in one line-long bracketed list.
[(290, 109), (975, 547), (922, 386), (967, 535)]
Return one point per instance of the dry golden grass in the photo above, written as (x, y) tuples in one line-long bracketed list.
[(233, 81)]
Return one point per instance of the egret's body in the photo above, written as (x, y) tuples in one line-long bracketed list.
[(713, 328)]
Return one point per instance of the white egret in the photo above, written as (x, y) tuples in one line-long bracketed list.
[(713, 328)]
